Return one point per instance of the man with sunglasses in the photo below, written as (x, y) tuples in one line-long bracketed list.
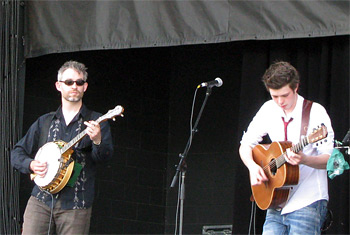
[(69, 210)]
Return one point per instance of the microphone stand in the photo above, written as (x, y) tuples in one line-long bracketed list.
[(346, 140), (182, 166)]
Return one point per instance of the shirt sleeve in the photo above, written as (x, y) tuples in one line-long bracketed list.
[(256, 129), (103, 151), (318, 117), (24, 151)]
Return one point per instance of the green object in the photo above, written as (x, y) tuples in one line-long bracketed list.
[(76, 171), (336, 164)]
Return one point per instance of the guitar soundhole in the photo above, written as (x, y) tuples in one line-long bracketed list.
[(273, 168)]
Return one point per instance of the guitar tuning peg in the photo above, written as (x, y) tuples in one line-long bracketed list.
[(113, 119), (317, 144), (325, 140)]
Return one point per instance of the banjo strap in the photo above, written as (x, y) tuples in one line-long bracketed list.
[(45, 129)]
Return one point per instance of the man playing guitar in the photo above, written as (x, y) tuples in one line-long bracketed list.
[(281, 118)]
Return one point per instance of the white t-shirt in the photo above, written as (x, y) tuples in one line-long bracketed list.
[(313, 185)]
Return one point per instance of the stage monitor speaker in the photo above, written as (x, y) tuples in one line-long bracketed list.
[(217, 230)]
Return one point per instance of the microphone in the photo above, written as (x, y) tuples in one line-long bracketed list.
[(217, 82)]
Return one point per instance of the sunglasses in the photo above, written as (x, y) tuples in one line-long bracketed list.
[(70, 82)]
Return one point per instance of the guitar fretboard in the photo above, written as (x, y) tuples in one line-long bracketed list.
[(296, 148)]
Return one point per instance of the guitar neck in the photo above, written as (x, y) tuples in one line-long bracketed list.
[(296, 148)]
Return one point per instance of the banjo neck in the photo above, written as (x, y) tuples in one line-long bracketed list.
[(117, 111), (75, 140)]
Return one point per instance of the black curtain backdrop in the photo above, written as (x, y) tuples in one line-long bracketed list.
[(156, 87)]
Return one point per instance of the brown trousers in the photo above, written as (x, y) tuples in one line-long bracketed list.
[(37, 219)]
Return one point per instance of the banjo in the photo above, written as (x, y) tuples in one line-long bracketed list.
[(57, 154)]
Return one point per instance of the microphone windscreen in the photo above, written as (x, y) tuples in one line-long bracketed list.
[(220, 82)]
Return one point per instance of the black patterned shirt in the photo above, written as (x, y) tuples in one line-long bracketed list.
[(80, 194)]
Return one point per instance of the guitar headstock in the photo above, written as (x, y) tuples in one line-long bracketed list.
[(318, 134), (111, 114)]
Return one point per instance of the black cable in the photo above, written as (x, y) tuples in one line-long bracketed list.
[(177, 206), (48, 232), (252, 218)]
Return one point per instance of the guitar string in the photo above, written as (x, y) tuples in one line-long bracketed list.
[(295, 148)]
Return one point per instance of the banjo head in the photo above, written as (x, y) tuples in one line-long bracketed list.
[(51, 154)]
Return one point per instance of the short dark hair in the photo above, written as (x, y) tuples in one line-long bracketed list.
[(79, 67), (280, 74)]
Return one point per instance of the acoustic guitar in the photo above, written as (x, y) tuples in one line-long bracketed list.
[(57, 155), (281, 175)]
